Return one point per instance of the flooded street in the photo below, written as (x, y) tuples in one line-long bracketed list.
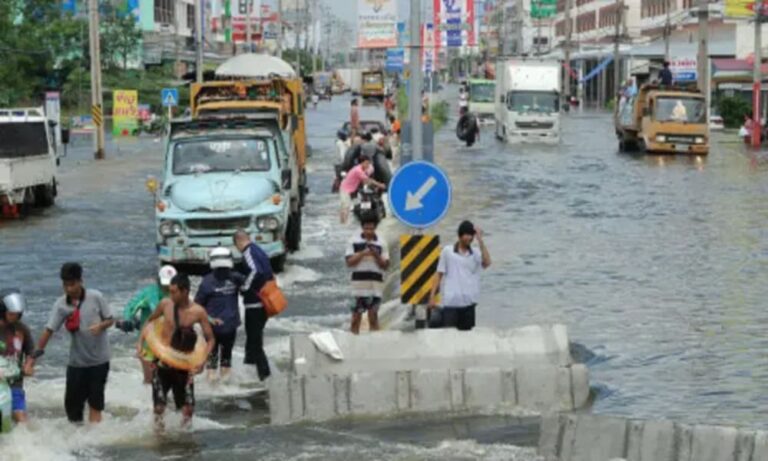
[(656, 265)]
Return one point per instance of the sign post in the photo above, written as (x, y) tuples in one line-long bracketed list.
[(170, 98)]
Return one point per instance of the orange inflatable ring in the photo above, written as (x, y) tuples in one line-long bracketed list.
[(174, 358)]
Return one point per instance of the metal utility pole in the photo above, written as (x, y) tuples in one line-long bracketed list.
[(616, 49), (417, 80), (757, 77), (667, 29), (199, 41), (703, 55), (567, 49), (280, 30), (313, 28), (248, 38), (97, 102), (296, 28)]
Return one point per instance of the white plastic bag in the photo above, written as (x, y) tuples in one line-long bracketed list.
[(326, 343)]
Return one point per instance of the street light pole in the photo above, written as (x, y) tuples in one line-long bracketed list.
[(248, 38), (280, 29), (667, 29), (616, 48), (414, 99), (199, 41), (567, 49), (97, 102)]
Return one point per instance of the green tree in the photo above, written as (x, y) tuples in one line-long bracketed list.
[(120, 38)]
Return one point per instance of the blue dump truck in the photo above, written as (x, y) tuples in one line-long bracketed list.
[(234, 164)]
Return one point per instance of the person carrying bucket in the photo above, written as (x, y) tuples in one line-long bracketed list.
[(17, 346), (138, 310)]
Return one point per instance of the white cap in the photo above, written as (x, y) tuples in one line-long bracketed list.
[(221, 257), (377, 137), (166, 274)]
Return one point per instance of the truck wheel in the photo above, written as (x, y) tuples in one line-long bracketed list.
[(293, 233), (622, 146), (45, 195), (278, 263)]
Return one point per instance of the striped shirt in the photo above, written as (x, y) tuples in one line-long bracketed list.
[(367, 276)]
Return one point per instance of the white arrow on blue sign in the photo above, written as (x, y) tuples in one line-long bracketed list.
[(420, 194), (170, 97)]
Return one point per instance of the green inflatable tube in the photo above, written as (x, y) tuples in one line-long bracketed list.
[(8, 370)]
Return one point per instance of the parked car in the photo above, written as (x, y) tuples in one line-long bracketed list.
[(716, 121)]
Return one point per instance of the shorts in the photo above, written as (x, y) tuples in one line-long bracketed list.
[(346, 200), (18, 399), (167, 379), (461, 318), (366, 303), (85, 384)]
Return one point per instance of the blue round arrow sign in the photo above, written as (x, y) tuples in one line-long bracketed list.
[(420, 194)]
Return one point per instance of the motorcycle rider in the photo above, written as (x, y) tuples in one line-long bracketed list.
[(358, 176), (16, 345)]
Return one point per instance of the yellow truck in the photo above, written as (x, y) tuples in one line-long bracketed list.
[(372, 86), (663, 120), (239, 162)]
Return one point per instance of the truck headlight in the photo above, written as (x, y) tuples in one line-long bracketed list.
[(661, 138), (699, 140), (170, 228), (268, 223)]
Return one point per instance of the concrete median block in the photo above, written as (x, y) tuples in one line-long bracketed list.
[(509, 387), (341, 391), (684, 442), (458, 391), (599, 438), (483, 388), (550, 436), (430, 390), (760, 451), (651, 441), (403, 379), (319, 397), (544, 389), (579, 385), (745, 445), (373, 393), (279, 400), (568, 436), (714, 443)]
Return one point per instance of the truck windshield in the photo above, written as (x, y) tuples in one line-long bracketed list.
[(680, 109), (373, 79), (221, 155), (533, 101), (481, 92)]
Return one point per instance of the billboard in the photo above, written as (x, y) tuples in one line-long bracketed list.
[(741, 8), (683, 69), (376, 23), (428, 49), (454, 22), (125, 112)]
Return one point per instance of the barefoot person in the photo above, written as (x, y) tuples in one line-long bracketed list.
[(87, 317), (16, 345), (368, 257), (179, 318)]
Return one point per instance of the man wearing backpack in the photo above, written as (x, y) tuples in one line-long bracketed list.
[(87, 317)]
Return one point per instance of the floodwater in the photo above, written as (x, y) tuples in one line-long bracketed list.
[(656, 264)]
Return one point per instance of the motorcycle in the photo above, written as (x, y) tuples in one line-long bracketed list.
[(369, 204)]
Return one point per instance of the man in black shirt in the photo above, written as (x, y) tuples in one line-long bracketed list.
[(665, 75)]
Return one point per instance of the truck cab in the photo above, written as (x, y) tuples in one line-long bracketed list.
[(528, 101), (235, 164), (481, 99), (665, 120), (372, 86)]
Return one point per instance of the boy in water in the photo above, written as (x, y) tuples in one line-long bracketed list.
[(16, 344), (179, 318)]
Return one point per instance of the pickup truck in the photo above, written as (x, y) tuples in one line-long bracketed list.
[(28, 161)]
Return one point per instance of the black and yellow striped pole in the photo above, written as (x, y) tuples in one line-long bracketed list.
[(419, 255)]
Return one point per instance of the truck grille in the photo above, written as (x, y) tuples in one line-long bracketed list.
[(218, 225), (680, 139), (535, 125)]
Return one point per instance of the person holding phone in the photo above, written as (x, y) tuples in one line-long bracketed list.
[(368, 257)]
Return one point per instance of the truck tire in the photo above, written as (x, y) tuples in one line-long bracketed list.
[(45, 195), (278, 263), (293, 233)]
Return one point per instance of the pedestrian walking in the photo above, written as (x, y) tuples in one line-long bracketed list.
[(368, 257), (138, 310), (458, 277), (16, 345), (218, 294), (86, 316), (259, 273), (180, 315), (354, 117)]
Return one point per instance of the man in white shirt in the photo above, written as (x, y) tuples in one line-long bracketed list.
[(458, 277)]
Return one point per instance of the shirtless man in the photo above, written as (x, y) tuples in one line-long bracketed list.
[(179, 318)]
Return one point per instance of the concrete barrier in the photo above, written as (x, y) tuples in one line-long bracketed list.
[(543, 388), (434, 349), (602, 438)]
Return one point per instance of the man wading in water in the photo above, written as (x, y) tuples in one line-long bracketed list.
[(179, 318)]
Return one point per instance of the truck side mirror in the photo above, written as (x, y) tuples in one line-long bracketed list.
[(65, 135), (286, 177), (501, 99)]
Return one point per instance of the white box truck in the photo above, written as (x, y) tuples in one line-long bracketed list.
[(28, 161), (528, 101)]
